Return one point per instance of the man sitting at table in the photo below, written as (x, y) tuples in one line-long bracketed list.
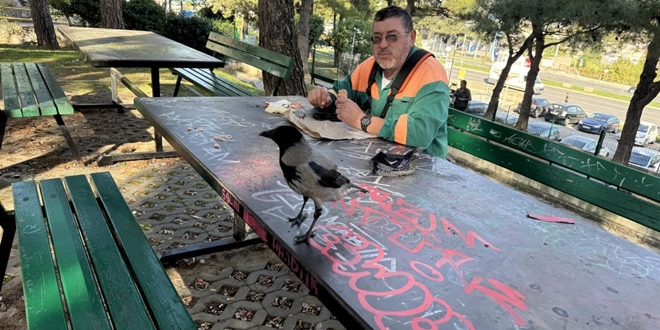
[(417, 115)]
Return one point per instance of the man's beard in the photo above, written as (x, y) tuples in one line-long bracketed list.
[(387, 64)]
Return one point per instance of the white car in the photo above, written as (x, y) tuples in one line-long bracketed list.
[(646, 133), (645, 158), (584, 143), (517, 78)]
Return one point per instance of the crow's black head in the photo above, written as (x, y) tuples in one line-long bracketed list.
[(285, 136)]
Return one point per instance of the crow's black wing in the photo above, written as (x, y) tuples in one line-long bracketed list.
[(328, 177)]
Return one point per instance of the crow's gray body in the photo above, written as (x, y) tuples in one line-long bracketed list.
[(309, 174)]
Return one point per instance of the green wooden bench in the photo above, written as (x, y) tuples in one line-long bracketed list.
[(316, 76), (269, 61), (622, 190), (102, 272), (31, 90)]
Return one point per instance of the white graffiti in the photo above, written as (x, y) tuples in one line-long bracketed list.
[(520, 142)]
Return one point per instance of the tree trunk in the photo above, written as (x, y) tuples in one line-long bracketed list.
[(111, 16), (335, 28), (303, 31), (43, 24), (526, 104), (276, 32), (410, 7), (390, 2), (513, 57), (645, 92)]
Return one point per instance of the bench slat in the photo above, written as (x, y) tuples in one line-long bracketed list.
[(168, 309), (81, 293), (10, 96), (194, 77), (211, 82), (121, 294), (269, 55), (62, 103), (43, 307), (250, 59), (45, 100), (25, 93), (219, 81)]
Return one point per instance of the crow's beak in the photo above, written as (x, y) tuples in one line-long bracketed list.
[(267, 134)]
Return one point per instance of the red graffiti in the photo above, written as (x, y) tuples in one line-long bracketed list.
[(506, 298), (416, 227), (347, 260), (411, 228), (252, 222), (292, 263), (229, 199)]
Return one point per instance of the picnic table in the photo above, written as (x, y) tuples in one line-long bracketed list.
[(442, 248), (118, 48)]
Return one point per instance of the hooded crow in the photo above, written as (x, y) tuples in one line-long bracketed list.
[(309, 174)]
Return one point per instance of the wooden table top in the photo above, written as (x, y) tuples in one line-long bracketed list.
[(132, 48)]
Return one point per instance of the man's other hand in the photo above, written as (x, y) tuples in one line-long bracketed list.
[(319, 97), (348, 111)]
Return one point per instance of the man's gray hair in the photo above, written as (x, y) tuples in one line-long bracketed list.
[(395, 11)]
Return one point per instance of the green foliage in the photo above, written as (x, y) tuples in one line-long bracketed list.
[(143, 15), (223, 26), (89, 11), (190, 31), (315, 29), (219, 23), (624, 72), (209, 13)]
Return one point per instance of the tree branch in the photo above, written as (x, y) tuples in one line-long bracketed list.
[(572, 36)]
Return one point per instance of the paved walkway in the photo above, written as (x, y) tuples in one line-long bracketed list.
[(248, 288)]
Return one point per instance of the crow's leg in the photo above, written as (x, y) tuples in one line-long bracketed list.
[(305, 237), (301, 216)]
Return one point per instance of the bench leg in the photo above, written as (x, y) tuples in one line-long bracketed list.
[(239, 228), (114, 91), (68, 138), (8, 231), (176, 87), (3, 124)]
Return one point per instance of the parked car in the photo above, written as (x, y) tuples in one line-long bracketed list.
[(539, 106), (597, 122), (477, 108), (645, 158), (544, 130), (506, 118), (646, 133), (586, 144), (564, 113)]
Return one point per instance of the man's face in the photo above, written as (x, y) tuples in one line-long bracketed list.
[(391, 55)]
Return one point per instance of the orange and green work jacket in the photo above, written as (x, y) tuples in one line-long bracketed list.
[(418, 114)]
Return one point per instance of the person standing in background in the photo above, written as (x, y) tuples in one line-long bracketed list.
[(462, 96)]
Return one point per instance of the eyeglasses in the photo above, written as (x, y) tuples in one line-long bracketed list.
[(390, 38)]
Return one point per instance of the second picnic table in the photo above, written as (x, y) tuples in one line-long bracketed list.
[(117, 48)]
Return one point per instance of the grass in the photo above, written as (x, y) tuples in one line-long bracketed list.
[(77, 77)]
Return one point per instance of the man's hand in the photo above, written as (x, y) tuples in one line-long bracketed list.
[(348, 111), (319, 97)]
